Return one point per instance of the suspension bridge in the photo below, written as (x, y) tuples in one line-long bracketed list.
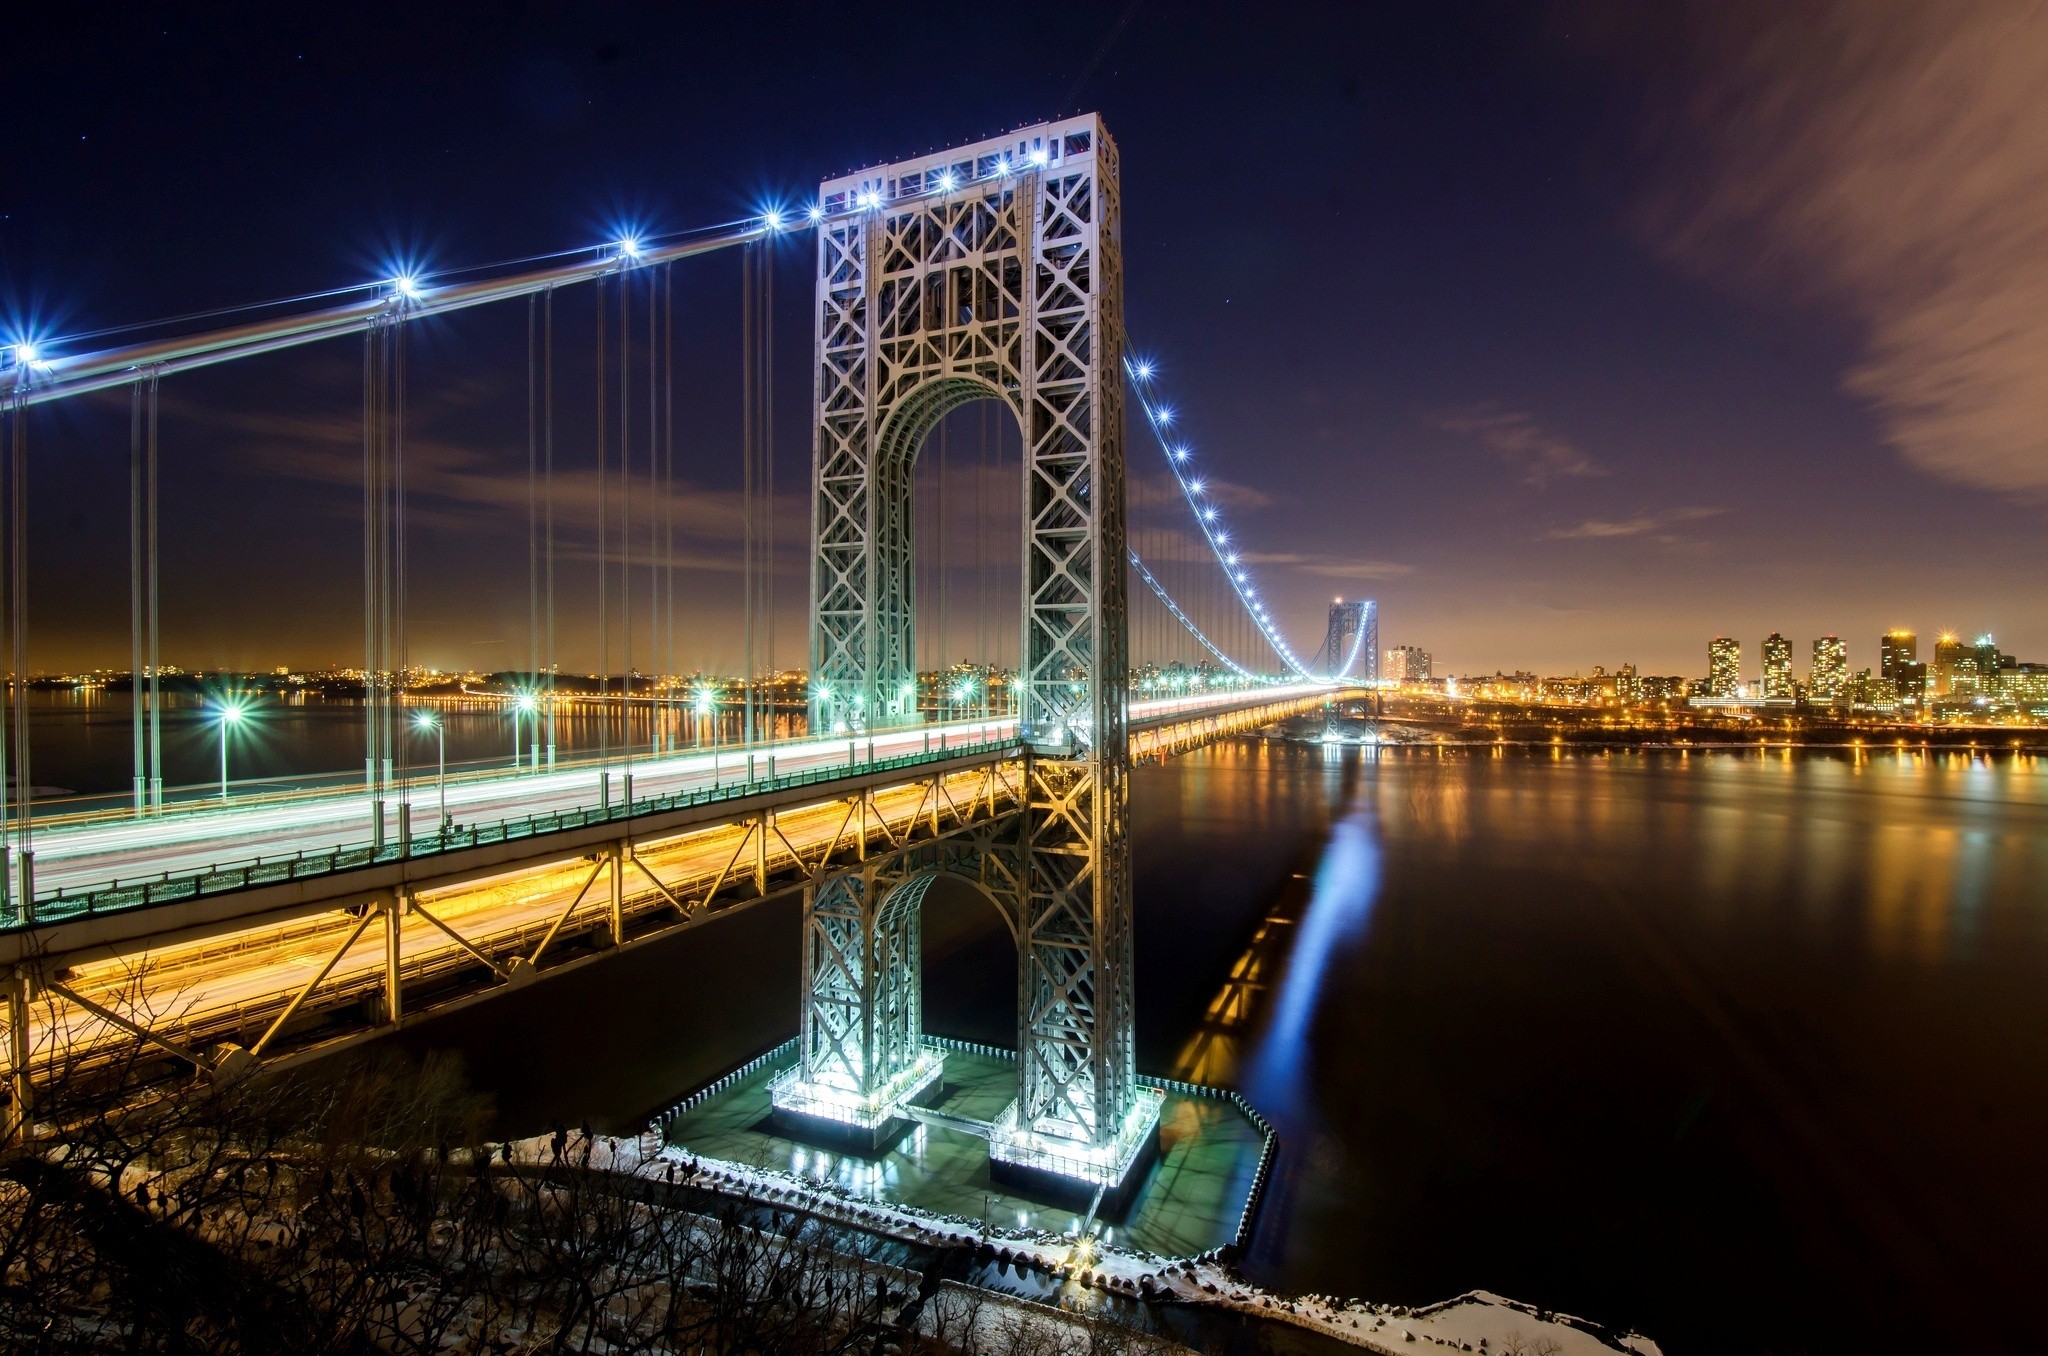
[(262, 928)]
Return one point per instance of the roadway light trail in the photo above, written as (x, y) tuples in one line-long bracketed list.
[(78, 856)]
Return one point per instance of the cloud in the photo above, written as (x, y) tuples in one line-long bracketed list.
[(459, 487), (1330, 567), (1542, 456), (1150, 489), (1657, 526), (1891, 157), (1595, 527)]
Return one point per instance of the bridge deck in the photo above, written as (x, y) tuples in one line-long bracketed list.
[(107, 862), (301, 962)]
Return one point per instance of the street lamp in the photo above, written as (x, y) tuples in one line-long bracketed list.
[(427, 720), (230, 713), (706, 697), (524, 705)]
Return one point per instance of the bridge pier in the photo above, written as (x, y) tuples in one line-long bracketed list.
[(863, 1060), (21, 1090)]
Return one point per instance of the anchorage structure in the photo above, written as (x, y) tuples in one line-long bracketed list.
[(990, 271)]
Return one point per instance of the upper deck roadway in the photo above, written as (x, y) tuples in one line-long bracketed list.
[(104, 861), (281, 955)]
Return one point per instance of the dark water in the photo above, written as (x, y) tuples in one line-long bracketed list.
[(1748, 1051)]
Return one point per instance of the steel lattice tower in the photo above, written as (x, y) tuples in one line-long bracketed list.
[(1353, 627), (994, 270)]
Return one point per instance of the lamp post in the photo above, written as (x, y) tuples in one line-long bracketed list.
[(523, 705), (230, 714), (704, 700), (427, 720)]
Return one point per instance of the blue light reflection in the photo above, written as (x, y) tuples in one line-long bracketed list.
[(1278, 1077)]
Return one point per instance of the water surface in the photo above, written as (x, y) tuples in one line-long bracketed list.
[(1746, 1050)]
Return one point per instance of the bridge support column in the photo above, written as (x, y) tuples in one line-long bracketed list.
[(764, 824), (863, 1057), (21, 1090), (394, 908), (618, 893)]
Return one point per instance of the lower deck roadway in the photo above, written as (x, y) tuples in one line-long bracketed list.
[(230, 988)]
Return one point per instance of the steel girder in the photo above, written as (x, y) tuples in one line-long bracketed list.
[(992, 270)]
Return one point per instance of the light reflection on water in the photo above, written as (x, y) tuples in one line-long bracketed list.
[(1664, 1038), (1347, 879), (1741, 1048)]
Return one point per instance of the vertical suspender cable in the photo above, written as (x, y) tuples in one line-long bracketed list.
[(153, 600), (548, 493), (604, 512), (747, 486), (400, 658), (626, 517), (372, 338), (17, 620), (981, 655), (141, 771), (654, 667), (668, 480), (10, 415), (939, 523), (532, 681), (765, 430)]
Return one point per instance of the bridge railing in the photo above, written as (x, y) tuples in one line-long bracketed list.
[(66, 904)]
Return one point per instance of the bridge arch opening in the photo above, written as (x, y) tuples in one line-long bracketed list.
[(950, 464), (970, 956)]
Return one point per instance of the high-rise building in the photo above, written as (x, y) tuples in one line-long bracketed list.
[(2024, 685), (1777, 666), (1724, 667), (1989, 662), (1897, 652), (1830, 674), (1661, 687), (1953, 659), (1408, 664), (1628, 685)]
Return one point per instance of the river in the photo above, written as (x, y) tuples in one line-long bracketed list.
[(1745, 1050)]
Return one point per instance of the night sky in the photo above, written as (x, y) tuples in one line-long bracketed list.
[(1573, 334)]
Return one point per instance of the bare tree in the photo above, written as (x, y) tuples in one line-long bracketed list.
[(358, 1210)]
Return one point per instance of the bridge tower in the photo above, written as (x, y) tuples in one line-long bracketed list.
[(1353, 625), (990, 271)]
